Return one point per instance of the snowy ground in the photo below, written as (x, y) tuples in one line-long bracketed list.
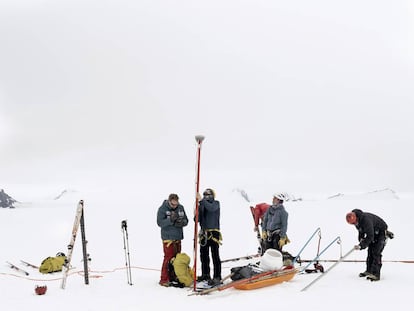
[(40, 226)]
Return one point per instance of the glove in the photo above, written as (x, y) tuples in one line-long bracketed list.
[(264, 235), (357, 247), (283, 241), (199, 197), (173, 216), (389, 234)]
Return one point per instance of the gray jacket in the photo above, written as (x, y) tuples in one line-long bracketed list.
[(171, 230), (275, 218)]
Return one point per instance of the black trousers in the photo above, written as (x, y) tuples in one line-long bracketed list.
[(215, 255), (272, 242), (374, 258)]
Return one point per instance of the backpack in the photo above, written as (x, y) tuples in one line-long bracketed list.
[(179, 271), (244, 272), (287, 258), (52, 264)]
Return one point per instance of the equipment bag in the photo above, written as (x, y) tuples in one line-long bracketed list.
[(244, 272), (180, 273), (52, 264)]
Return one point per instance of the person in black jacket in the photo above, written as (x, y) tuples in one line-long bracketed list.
[(210, 237), (372, 233)]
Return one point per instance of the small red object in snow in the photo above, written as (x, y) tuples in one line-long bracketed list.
[(40, 290)]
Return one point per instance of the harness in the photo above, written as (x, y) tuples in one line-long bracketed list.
[(207, 234), (169, 242), (271, 233)]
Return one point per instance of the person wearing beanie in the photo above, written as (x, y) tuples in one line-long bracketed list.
[(372, 234)]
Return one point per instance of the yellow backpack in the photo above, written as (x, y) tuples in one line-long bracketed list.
[(53, 264), (183, 272)]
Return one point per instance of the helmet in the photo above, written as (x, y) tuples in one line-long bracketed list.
[(60, 254), (281, 196), (209, 192), (351, 218)]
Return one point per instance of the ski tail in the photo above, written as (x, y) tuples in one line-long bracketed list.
[(14, 267)]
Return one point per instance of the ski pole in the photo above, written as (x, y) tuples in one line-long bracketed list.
[(330, 268), (126, 250), (307, 242), (199, 139), (84, 251)]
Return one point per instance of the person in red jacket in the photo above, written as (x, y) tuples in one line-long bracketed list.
[(258, 212)]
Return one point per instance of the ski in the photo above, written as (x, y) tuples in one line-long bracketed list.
[(28, 264), (17, 268), (84, 244), (330, 268), (242, 258), (66, 267)]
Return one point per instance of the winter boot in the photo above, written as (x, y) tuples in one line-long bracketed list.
[(364, 274), (203, 277), (215, 282), (373, 277)]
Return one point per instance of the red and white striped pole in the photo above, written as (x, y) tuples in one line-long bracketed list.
[(199, 139)]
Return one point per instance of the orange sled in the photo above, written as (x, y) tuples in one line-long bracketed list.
[(276, 278)]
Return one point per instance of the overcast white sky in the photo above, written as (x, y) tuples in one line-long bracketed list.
[(301, 87)]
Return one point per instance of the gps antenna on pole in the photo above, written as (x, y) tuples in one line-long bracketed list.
[(199, 139)]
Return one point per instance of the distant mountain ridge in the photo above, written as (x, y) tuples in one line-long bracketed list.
[(386, 193)]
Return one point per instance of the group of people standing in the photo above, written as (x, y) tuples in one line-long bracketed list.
[(273, 222), (171, 218)]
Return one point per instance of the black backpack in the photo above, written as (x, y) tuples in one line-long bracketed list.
[(244, 272)]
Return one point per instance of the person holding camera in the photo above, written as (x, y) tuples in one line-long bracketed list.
[(171, 218)]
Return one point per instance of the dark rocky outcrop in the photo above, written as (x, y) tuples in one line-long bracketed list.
[(6, 201)]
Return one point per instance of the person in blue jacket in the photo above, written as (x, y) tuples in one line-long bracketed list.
[(171, 218), (275, 224)]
